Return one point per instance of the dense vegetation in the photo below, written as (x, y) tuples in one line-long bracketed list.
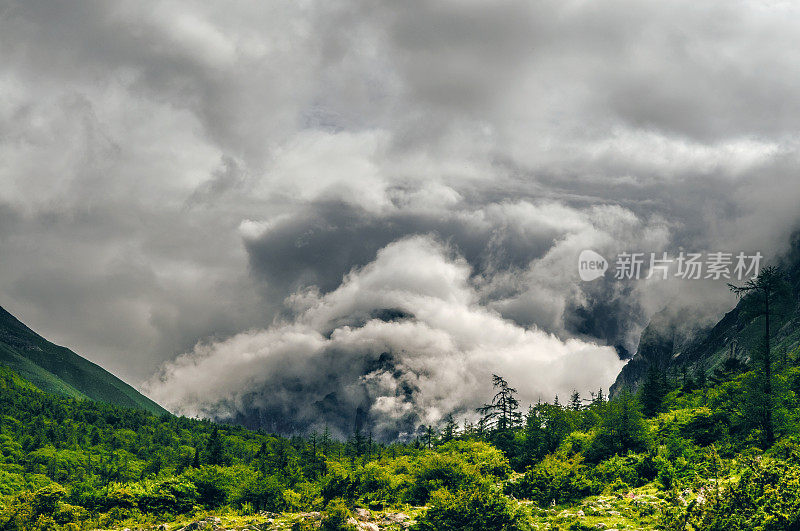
[(699, 460), (716, 450)]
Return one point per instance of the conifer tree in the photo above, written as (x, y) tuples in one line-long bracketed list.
[(196, 460), (503, 412), (215, 449), (764, 292), (652, 392), (429, 437), (575, 401), (450, 429)]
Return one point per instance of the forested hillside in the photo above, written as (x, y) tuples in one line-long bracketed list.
[(60, 371), (696, 459)]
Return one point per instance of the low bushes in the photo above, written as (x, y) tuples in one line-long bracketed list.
[(556, 479), (173, 495), (471, 509), (765, 498), (435, 471), (42, 509)]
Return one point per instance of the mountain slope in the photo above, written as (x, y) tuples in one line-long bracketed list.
[(60, 371), (671, 345)]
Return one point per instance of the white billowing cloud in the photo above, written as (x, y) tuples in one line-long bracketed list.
[(443, 347)]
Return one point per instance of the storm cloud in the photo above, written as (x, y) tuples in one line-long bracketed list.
[(216, 200)]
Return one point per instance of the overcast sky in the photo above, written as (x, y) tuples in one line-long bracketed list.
[(377, 204)]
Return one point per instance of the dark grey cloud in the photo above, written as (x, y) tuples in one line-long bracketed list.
[(178, 178), (325, 240)]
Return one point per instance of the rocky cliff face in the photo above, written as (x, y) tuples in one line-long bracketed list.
[(675, 343)]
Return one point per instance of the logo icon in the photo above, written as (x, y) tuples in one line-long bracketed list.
[(591, 265)]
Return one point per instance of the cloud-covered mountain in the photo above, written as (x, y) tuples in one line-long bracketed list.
[(178, 178), (405, 339)]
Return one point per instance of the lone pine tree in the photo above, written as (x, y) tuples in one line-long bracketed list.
[(763, 293), (503, 412)]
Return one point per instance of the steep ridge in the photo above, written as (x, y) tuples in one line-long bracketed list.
[(674, 343), (58, 370)]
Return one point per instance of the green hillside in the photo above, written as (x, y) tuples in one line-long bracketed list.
[(60, 371), (677, 457)]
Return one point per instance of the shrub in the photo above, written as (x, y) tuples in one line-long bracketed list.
[(247, 509), (376, 486), (117, 495), (44, 522), (66, 514), (435, 471), (632, 469), (173, 495), (263, 493), (305, 496), (474, 509), (47, 499), (337, 516), (576, 442), (666, 474), (214, 484), (338, 483), (766, 498), (43, 509), (787, 449), (488, 460), (11, 483), (554, 478)]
